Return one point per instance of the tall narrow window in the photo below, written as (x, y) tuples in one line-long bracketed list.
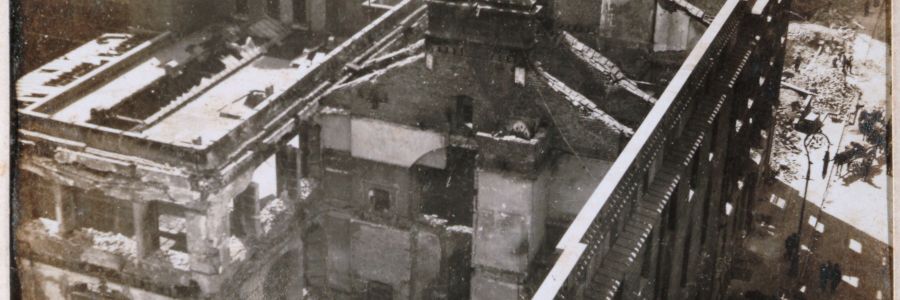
[(241, 7), (300, 11), (273, 8), (380, 199), (243, 213), (463, 115)]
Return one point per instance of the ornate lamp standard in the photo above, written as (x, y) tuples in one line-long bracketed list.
[(807, 142)]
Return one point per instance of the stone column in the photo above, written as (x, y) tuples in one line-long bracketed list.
[(146, 227), (286, 171), (303, 152), (206, 245), (64, 202)]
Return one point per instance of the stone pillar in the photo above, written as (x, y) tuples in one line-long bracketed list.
[(286, 172), (64, 202), (311, 147), (303, 152), (202, 238), (146, 227), (509, 228)]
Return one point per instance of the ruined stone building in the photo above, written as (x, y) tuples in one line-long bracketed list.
[(439, 149)]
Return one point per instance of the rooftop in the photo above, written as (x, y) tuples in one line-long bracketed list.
[(134, 94), (75, 67)]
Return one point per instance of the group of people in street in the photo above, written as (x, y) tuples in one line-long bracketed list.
[(842, 60), (830, 276)]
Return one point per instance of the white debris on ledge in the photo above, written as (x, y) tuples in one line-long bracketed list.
[(434, 220), (331, 110), (50, 226), (460, 229), (305, 188), (507, 138), (172, 224), (111, 242), (179, 260)]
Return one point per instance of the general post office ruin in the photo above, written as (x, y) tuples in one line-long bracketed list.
[(436, 149)]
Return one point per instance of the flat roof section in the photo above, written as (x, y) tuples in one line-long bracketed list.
[(63, 73), (223, 107), (129, 82)]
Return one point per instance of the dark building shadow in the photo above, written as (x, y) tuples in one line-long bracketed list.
[(865, 261)]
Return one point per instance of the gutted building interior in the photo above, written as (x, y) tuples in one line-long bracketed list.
[(437, 149)]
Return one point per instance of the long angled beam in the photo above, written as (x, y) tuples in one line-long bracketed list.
[(694, 11), (605, 66), (582, 102)]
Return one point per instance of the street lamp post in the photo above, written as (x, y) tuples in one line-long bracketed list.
[(806, 143)]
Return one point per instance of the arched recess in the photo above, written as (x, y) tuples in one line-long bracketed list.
[(446, 184)]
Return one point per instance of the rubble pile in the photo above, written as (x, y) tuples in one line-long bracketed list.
[(179, 260), (108, 241), (819, 50), (270, 213)]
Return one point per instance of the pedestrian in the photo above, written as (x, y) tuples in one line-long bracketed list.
[(824, 275), (837, 277), (843, 65), (797, 61), (848, 63), (867, 167)]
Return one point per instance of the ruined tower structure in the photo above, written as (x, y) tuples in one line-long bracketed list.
[(439, 149)]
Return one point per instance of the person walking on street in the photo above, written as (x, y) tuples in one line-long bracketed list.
[(790, 246), (836, 278), (824, 275), (797, 61), (843, 65)]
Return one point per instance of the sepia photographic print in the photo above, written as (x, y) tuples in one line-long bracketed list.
[(450, 149)]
